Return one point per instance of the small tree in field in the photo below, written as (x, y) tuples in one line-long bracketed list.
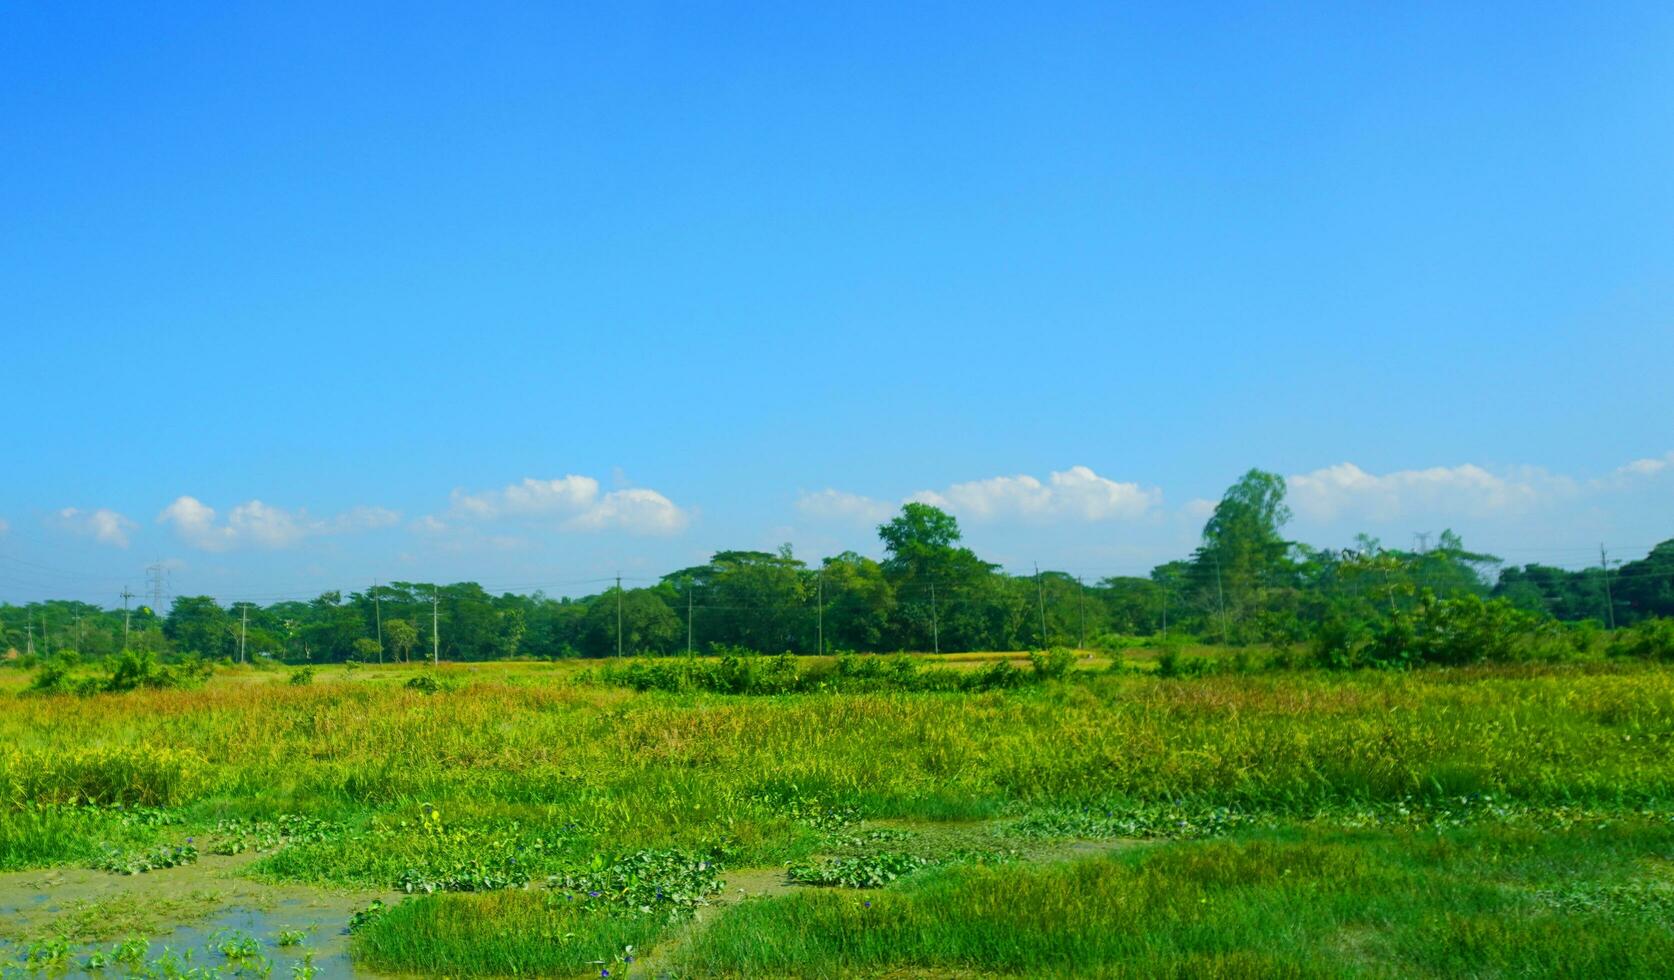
[(366, 648), (402, 637)]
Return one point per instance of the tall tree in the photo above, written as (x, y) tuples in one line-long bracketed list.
[(1244, 552)]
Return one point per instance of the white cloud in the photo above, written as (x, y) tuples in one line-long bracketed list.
[(260, 525), (1648, 467), (1198, 509), (429, 524), (1346, 490), (4, 525), (574, 501), (361, 518), (530, 498), (104, 525), (640, 511), (841, 505), (1075, 494)]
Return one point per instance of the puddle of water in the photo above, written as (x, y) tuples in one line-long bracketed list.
[(325, 937), (196, 909)]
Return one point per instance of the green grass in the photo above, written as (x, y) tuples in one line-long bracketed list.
[(502, 933), (36, 836), (1426, 818), (1482, 902)]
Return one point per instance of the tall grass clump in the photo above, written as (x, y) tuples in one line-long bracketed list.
[(123, 775), (506, 933)]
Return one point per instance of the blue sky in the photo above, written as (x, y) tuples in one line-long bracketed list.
[(297, 296)]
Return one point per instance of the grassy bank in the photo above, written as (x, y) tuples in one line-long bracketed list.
[(1478, 902)]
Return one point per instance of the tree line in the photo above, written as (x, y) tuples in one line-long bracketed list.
[(1246, 582)]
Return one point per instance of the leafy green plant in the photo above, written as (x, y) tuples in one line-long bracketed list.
[(424, 684), (150, 859), (864, 871), (667, 881)]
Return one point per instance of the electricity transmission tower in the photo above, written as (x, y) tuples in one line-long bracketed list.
[(156, 582)]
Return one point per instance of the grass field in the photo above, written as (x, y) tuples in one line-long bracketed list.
[(530, 818)]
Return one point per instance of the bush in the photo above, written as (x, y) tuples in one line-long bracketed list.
[(1652, 639), (1051, 664), (997, 675), (424, 684), (1462, 630), (130, 670), (302, 676), (52, 678), (1334, 644)]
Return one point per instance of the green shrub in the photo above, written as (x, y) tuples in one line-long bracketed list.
[(1462, 630), (1651, 640), (1051, 664), (302, 676), (1335, 643)]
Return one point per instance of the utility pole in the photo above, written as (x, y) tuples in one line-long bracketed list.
[(1609, 603), (935, 621), (1165, 609), (435, 627), (1040, 590), (1422, 540), (1220, 596), (819, 604), (1081, 609), (126, 595), (29, 632), (243, 626), (688, 617), (618, 614), (378, 610)]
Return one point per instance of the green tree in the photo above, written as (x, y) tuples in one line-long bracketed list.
[(647, 624), (1645, 588), (197, 624), (939, 582), (1244, 554), (402, 636), (858, 602), (918, 539)]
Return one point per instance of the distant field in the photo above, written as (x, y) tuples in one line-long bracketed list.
[(1486, 821)]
